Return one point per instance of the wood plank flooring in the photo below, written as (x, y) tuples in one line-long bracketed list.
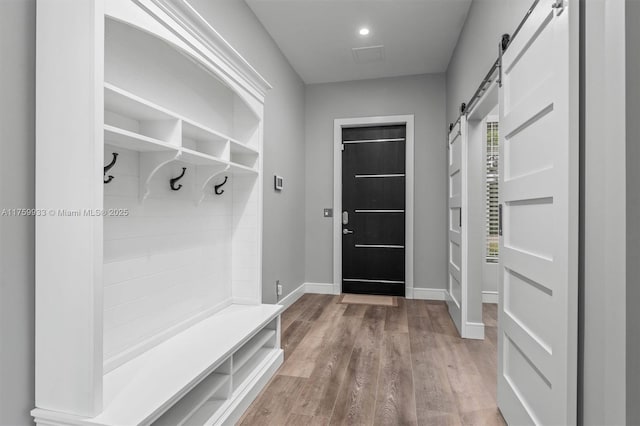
[(379, 365)]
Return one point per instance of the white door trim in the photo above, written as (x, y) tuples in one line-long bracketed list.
[(338, 125)]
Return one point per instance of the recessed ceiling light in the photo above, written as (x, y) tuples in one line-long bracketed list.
[(364, 31)]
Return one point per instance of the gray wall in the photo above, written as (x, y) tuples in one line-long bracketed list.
[(633, 211), (284, 154), (17, 133), (477, 47), (423, 96)]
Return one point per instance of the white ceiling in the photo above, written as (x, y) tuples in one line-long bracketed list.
[(317, 36)]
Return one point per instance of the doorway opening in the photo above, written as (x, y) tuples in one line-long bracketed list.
[(491, 157), (373, 204)]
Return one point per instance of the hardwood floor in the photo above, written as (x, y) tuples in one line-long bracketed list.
[(379, 365)]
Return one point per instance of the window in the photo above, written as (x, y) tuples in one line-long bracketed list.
[(492, 191)]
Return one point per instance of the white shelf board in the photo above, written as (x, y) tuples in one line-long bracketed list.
[(145, 387), (125, 103), (240, 376), (198, 158), (191, 403), (236, 168), (205, 413), (196, 131), (240, 148), (245, 353), (121, 138)]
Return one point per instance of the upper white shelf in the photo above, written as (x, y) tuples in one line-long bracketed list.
[(126, 103), (121, 138), (241, 170), (240, 148), (129, 140), (199, 159), (197, 144), (198, 132), (155, 381)]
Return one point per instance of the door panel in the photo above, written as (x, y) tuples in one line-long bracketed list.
[(379, 263), (373, 197), (376, 227), (386, 192), (455, 250), (537, 343)]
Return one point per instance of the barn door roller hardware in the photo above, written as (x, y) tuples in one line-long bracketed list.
[(216, 188), (106, 179), (558, 5), (504, 43), (172, 182)]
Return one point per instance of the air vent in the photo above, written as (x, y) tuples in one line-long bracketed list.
[(366, 55)]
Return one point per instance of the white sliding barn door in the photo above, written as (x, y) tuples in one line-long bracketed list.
[(456, 241), (537, 337)]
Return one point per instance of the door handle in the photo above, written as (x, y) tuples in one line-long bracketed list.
[(345, 217), (347, 231)]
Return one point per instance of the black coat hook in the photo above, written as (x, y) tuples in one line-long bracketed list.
[(172, 182), (217, 189), (107, 179)]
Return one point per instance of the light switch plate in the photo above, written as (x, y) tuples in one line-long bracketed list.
[(328, 212), (278, 182)]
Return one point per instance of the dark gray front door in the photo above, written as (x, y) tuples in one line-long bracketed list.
[(373, 215)]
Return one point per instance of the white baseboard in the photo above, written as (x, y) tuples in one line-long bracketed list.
[(489, 297), (328, 288), (429, 293), (291, 298), (474, 330), (319, 288)]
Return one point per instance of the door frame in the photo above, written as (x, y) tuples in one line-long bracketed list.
[(338, 125)]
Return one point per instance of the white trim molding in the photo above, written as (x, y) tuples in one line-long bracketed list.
[(474, 330), (489, 296), (292, 297), (320, 288), (429, 293), (338, 125), (197, 27)]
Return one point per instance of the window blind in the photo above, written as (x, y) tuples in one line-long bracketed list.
[(493, 157)]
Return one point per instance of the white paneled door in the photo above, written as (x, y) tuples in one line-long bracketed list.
[(537, 342), (456, 241)]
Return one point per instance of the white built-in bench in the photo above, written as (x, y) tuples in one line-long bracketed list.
[(206, 375)]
